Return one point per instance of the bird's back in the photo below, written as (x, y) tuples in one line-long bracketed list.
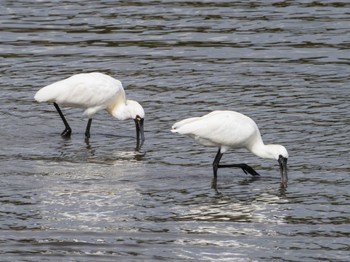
[(86, 90), (220, 128)]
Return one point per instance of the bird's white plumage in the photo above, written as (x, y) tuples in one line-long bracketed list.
[(92, 91), (225, 129), (228, 129)]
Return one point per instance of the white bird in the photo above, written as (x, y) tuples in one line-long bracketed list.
[(230, 129), (93, 92)]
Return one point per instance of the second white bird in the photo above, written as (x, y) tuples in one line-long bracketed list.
[(230, 129)]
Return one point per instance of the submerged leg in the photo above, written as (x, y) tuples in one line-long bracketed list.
[(87, 130), (67, 131), (215, 169), (246, 169)]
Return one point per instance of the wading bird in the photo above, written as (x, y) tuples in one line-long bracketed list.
[(93, 92), (229, 129)]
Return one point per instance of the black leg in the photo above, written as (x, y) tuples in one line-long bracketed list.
[(67, 131), (246, 169), (87, 131), (215, 169)]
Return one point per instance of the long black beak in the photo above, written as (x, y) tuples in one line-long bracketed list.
[(139, 132), (283, 169)]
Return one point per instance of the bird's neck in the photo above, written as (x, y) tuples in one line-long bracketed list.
[(119, 110), (261, 150)]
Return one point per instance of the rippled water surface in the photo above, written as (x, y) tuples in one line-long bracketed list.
[(284, 63)]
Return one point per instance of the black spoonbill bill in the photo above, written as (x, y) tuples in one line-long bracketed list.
[(229, 129), (93, 92)]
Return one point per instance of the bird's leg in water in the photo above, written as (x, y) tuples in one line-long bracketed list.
[(67, 131), (215, 169), (246, 169), (87, 130)]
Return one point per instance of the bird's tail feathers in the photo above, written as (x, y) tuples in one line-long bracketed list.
[(41, 96)]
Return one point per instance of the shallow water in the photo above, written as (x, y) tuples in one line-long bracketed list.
[(285, 64)]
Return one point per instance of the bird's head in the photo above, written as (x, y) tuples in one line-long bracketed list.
[(131, 110), (279, 150), (135, 109), (279, 153), (138, 114)]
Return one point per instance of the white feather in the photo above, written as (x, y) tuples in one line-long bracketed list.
[(227, 129), (93, 92)]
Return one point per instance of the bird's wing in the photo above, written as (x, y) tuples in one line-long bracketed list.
[(181, 123), (219, 128), (82, 90)]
